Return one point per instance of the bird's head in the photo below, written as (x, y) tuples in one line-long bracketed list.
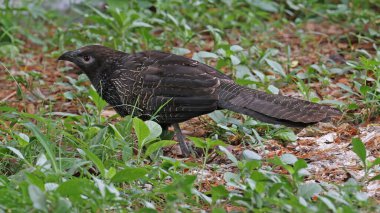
[(92, 59)]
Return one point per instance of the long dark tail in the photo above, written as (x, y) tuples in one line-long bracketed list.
[(276, 109)]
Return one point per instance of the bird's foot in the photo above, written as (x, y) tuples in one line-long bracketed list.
[(181, 139)]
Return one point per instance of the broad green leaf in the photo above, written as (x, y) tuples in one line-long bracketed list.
[(359, 148), (276, 67), (328, 203), (230, 177), (361, 196), (218, 210), (155, 130), (200, 143), (129, 174), (300, 164), (285, 134), (218, 192), (268, 6), (74, 188), (289, 159), (180, 51), (157, 145), (364, 89), (251, 155), (204, 54), (235, 60), (346, 88), (273, 89), (377, 177), (308, 190), (38, 197), (229, 155), (141, 24), (68, 95), (63, 114), (98, 163), (374, 163), (17, 152), (141, 130), (236, 48), (212, 143), (33, 179)]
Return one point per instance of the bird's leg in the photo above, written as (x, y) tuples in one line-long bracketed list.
[(181, 139)]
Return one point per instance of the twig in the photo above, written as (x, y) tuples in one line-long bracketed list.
[(8, 97)]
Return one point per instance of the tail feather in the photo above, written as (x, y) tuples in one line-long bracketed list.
[(270, 108)]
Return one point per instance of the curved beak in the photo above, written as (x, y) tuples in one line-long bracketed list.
[(67, 56)]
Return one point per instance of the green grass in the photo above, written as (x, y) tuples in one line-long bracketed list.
[(55, 159)]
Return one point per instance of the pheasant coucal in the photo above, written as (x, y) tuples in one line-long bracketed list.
[(173, 89)]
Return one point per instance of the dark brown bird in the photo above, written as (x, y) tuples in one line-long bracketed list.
[(172, 89)]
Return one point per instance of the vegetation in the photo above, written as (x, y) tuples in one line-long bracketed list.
[(61, 150)]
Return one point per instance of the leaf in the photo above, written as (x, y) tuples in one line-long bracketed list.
[(45, 143), (364, 90), (285, 134), (155, 130), (273, 89), (276, 67), (218, 210), (308, 190), (98, 163), (204, 54), (200, 143), (17, 152), (180, 51), (218, 117), (328, 203), (236, 48), (218, 192), (251, 155), (377, 177), (74, 188), (63, 114), (266, 5), (231, 177), (235, 60), (129, 174), (141, 130), (158, 145), (375, 162), (212, 143), (97, 99), (116, 132), (98, 139), (229, 155), (38, 197), (140, 24), (68, 95), (359, 148), (43, 162), (289, 159), (361, 196), (346, 88)]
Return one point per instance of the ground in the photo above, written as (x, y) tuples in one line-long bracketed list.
[(326, 146)]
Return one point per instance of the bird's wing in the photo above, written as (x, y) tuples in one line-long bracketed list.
[(176, 88)]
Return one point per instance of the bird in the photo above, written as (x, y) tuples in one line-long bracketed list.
[(171, 89)]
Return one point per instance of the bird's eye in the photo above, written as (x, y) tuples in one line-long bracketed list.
[(86, 58)]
